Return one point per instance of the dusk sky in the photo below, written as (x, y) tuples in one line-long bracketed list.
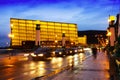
[(87, 14)]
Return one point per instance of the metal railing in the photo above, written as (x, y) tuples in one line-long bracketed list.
[(114, 65)]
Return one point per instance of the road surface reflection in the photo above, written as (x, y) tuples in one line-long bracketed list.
[(18, 69)]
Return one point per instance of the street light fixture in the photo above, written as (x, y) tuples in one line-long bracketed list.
[(109, 33), (11, 25), (56, 43), (11, 36)]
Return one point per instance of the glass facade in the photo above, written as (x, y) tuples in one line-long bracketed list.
[(25, 30)]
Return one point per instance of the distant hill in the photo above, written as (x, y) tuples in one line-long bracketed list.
[(93, 32), (93, 35)]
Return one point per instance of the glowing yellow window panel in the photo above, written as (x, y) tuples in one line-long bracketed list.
[(45, 23), (66, 32), (44, 35), (22, 27), (50, 30), (29, 21), (43, 26), (57, 24), (43, 32), (50, 23), (29, 29), (22, 30), (50, 26), (56, 27), (15, 28), (59, 31), (21, 21), (30, 25), (15, 44), (29, 32), (72, 29), (64, 28), (34, 25), (22, 33), (43, 29), (64, 24), (14, 31), (14, 25), (72, 25), (36, 22), (14, 20)]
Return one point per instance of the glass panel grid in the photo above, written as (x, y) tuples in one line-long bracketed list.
[(26, 30)]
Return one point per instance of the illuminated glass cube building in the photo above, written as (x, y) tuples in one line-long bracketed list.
[(50, 32)]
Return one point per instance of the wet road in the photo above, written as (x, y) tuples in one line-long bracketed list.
[(22, 68)]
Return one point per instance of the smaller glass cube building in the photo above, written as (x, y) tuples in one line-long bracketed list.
[(50, 32)]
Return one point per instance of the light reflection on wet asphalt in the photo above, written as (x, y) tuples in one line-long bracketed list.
[(28, 69)]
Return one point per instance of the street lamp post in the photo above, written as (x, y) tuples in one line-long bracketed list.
[(56, 43), (63, 39), (108, 34), (37, 40), (111, 30)]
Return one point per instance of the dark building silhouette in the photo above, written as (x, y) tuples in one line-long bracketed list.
[(94, 36), (117, 25)]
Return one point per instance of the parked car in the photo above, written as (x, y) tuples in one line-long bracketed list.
[(80, 50), (71, 51), (41, 54), (60, 52)]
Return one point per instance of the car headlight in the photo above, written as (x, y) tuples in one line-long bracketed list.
[(53, 52), (81, 50), (26, 55), (75, 50), (70, 51), (40, 55), (33, 55), (60, 52)]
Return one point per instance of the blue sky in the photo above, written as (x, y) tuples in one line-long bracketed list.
[(87, 14)]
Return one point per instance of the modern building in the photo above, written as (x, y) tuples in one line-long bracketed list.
[(23, 30), (82, 40)]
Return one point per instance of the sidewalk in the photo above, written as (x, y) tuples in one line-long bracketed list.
[(91, 69)]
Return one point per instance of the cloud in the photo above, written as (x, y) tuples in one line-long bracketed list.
[(87, 14)]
